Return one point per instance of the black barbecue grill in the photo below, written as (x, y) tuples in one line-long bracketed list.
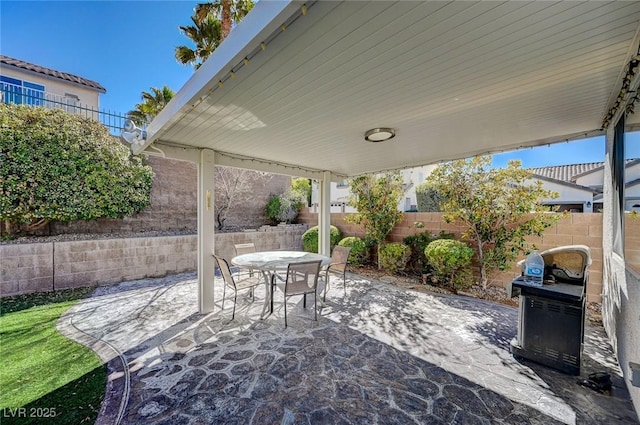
[(551, 316)]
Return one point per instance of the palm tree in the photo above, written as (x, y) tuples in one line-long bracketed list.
[(152, 104), (212, 23), (228, 11), (206, 35)]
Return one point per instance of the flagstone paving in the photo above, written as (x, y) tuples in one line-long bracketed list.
[(377, 355)]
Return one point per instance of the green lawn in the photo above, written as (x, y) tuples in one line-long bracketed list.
[(45, 377)]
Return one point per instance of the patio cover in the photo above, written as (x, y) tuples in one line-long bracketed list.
[(296, 85)]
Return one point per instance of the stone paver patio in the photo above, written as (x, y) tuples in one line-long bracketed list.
[(377, 355)]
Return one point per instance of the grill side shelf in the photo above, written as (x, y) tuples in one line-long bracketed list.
[(556, 291)]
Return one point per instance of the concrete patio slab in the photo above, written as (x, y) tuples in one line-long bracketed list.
[(380, 354)]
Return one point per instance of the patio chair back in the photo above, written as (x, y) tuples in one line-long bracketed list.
[(302, 279), (244, 248), (225, 270), (338, 266), (340, 258)]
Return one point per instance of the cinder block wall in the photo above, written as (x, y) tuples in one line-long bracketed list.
[(26, 268), (576, 228), (42, 267), (174, 204)]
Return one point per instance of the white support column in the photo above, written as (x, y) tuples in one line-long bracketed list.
[(324, 215), (206, 223)]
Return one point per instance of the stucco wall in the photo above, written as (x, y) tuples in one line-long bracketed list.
[(41, 267), (87, 97), (578, 228), (621, 317), (628, 331)]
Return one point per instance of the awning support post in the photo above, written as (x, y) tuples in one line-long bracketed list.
[(206, 230), (324, 215)]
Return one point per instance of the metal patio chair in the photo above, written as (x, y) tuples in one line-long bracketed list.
[(245, 248), (338, 266), (248, 282), (302, 279)]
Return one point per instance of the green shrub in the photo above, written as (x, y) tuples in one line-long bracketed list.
[(418, 243), (451, 261), (359, 250), (272, 209), (283, 208), (428, 198), (310, 238), (56, 166), (394, 256)]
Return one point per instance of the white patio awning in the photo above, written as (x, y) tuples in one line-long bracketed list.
[(295, 86)]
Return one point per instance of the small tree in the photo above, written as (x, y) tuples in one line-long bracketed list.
[(301, 187), (56, 166), (234, 186), (376, 199), (428, 198), (499, 207)]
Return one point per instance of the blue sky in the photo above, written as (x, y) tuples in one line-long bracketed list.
[(128, 48)]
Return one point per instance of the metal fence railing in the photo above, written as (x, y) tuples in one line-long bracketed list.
[(11, 93)]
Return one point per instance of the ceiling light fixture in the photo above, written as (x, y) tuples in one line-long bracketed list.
[(379, 134)]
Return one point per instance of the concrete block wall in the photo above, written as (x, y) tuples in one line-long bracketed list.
[(174, 203), (267, 238), (104, 261), (43, 267), (632, 242), (26, 268), (575, 229)]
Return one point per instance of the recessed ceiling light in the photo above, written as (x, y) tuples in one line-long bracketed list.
[(379, 134)]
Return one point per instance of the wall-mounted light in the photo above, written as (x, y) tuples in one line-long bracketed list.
[(588, 204), (379, 134), (132, 134)]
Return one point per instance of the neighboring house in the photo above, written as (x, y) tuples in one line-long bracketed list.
[(25, 83), (340, 192), (580, 185)]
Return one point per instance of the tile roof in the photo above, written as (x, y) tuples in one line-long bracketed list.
[(566, 172), (565, 183), (52, 73), (570, 172)]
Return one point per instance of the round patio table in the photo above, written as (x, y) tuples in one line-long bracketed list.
[(272, 262)]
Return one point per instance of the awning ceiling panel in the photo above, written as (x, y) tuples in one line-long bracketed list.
[(453, 78)]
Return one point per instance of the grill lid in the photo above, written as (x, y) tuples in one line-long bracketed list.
[(567, 263)]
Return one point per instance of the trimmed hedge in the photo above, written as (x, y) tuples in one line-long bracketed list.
[(394, 256), (359, 250), (310, 238), (451, 262)]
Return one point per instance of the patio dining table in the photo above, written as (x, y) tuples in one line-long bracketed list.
[(269, 263)]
